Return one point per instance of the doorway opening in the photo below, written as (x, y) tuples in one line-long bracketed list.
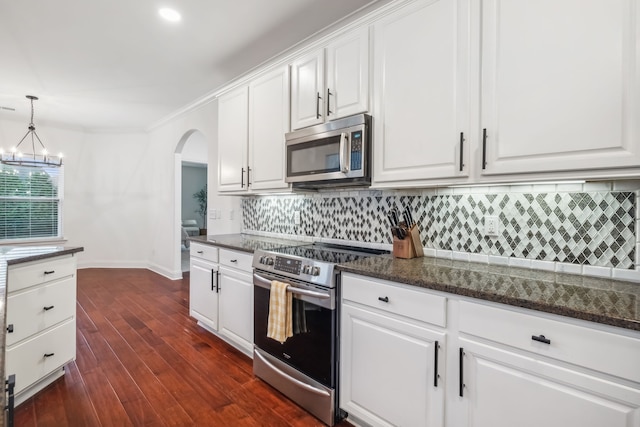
[(191, 175)]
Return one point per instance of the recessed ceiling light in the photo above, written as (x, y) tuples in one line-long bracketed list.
[(170, 14)]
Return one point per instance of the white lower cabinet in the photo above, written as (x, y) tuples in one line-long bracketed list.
[(221, 294), (41, 322), (506, 389), (236, 308), (203, 292), (392, 367), (389, 370), (498, 365)]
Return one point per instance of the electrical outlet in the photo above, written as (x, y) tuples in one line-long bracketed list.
[(491, 226), (296, 217)]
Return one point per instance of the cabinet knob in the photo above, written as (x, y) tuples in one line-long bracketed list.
[(233, 260), (49, 272), (47, 308), (48, 355), (200, 252), (10, 328), (383, 299)]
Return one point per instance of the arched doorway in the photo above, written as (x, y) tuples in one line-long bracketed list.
[(190, 171)]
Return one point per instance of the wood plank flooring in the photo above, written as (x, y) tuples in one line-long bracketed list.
[(142, 361)]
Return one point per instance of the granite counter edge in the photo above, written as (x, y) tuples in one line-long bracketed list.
[(502, 299)]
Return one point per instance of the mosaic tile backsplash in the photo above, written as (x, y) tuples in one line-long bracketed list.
[(587, 228)]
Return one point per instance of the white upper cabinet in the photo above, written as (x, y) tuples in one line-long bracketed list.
[(233, 119), (307, 90), (252, 121), (421, 107), (268, 122), (559, 86), (344, 92), (347, 90)]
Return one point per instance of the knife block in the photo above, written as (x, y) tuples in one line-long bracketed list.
[(410, 246)]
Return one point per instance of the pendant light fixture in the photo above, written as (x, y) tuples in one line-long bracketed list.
[(17, 158)]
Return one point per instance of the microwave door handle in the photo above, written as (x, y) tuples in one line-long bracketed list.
[(344, 152)]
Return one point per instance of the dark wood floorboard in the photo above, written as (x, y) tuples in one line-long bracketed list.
[(142, 361)]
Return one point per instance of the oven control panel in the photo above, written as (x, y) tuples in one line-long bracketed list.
[(288, 265)]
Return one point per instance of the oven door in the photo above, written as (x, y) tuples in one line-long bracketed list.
[(312, 348)]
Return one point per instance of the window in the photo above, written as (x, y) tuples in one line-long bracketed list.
[(30, 202)]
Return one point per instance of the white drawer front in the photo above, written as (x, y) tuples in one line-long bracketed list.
[(39, 308), (208, 252), (36, 272), (28, 361), (602, 351), (235, 259), (394, 298)]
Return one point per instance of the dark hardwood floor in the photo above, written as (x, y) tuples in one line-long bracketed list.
[(142, 361)]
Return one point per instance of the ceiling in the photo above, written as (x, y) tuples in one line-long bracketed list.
[(116, 65)]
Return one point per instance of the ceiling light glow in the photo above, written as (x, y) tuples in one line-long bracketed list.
[(169, 14)]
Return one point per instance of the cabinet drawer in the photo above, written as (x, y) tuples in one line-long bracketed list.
[(235, 259), (37, 309), (36, 272), (28, 362), (395, 298), (599, 350), (208, 252)]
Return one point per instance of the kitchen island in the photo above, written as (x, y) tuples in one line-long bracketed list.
[(13, 256)]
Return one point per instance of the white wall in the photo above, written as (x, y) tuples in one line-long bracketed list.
[(164, 241), (120, 191), (106, 191)]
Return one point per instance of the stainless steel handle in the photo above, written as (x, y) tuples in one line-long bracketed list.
[(242, 178), (266, 283), (290, 378), (329, 102), (344, 142)]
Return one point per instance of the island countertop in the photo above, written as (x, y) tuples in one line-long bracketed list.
[(602, 300), (12, 255)]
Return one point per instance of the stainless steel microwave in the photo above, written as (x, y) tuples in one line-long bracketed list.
[(333, 154)]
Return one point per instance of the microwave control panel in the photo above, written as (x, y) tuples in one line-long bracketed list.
[(356, 150)]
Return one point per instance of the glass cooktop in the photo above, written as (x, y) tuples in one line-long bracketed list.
[(335, 254)]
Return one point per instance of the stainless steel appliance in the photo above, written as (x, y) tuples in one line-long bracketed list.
[(304, 367), (333, 154)]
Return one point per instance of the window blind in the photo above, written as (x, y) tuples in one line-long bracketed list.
[(30, 202)]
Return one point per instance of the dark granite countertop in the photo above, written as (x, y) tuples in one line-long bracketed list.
[(12, 255), (607, 301), (246, 242)]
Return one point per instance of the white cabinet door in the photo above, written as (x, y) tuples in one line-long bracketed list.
[(203, 292), (504, 389), (233, 124), (347, 90), (307, 90), (388, 370), (236, 308), (268, 122), (560, 85), (421, 96)]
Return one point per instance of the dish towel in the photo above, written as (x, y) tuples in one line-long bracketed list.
[(279, 326)]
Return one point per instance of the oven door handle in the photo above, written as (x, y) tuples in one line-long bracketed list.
[(266, 283), (290, 378)]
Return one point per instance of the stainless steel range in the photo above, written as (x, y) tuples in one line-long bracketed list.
[(304, 367)]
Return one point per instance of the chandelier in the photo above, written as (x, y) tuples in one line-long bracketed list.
[(17, 158)]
